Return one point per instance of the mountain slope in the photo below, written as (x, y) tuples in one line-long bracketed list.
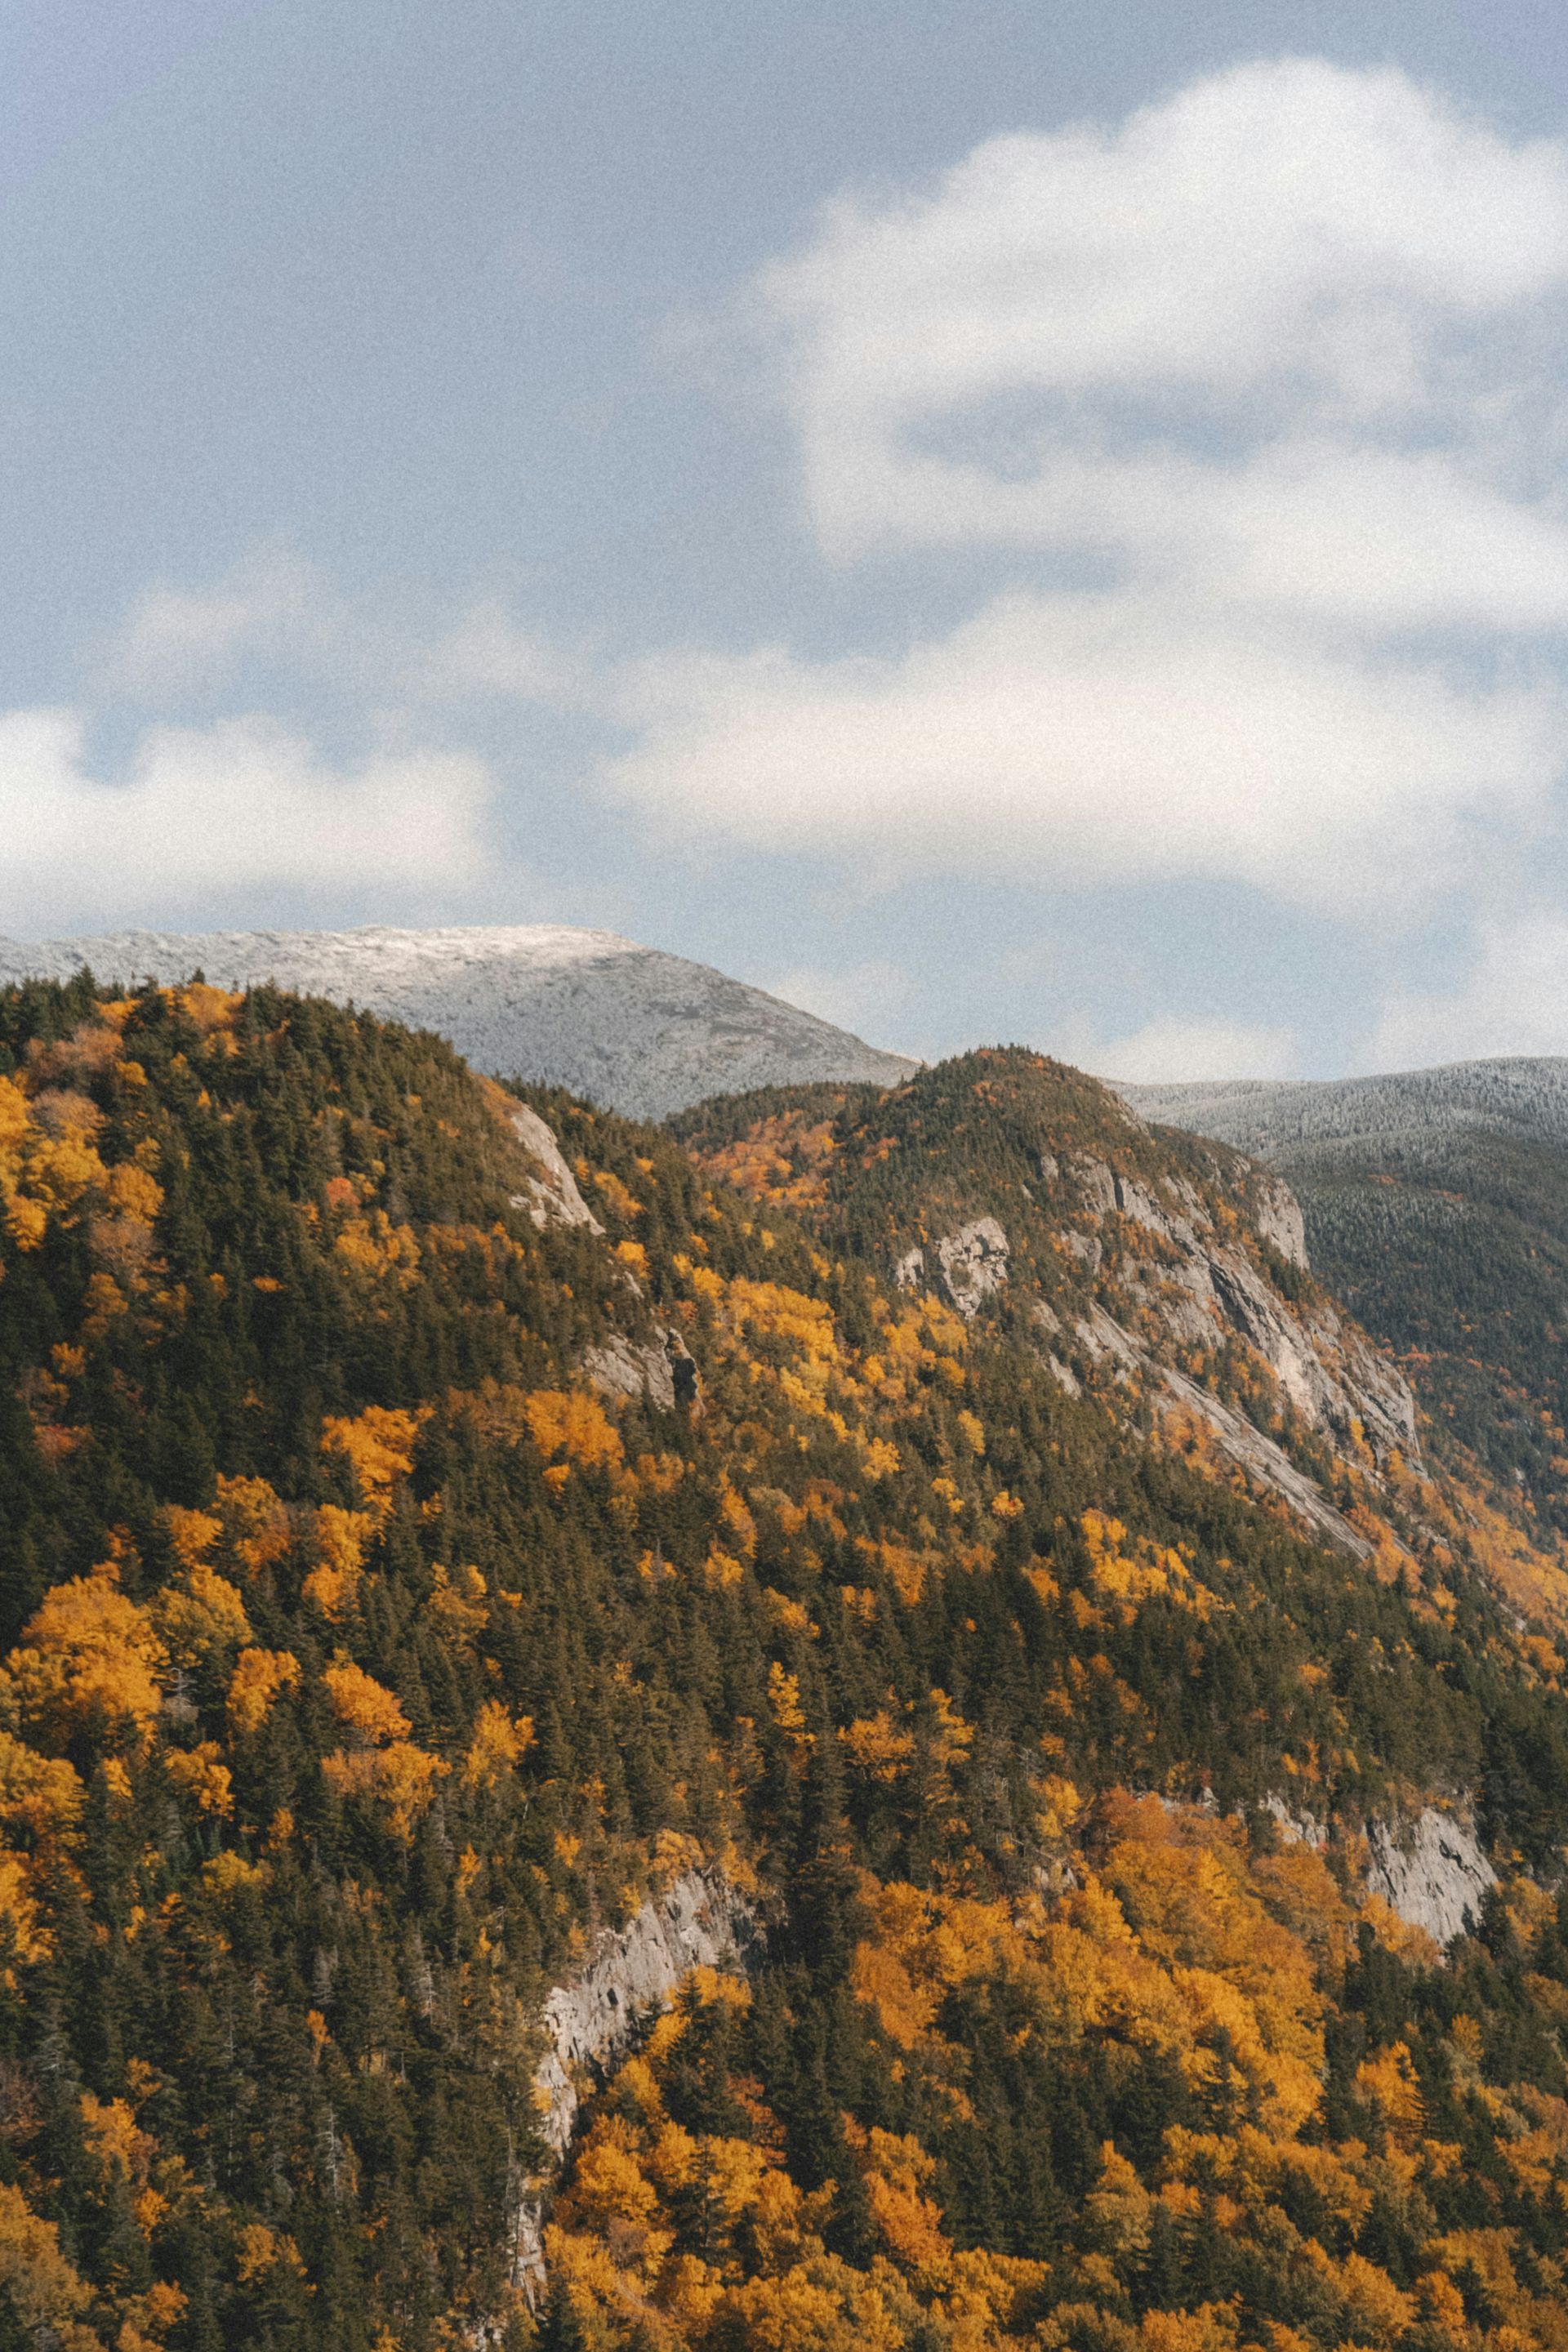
[(628, 1026), (1524, 1097), (1168, 1269), (475, 1575), (1436, 1206)]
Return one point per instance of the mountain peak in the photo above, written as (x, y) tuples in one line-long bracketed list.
[(632, 1028)]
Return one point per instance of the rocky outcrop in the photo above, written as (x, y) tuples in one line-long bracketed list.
[(1157, 1272), (1427, 1868), (1431, 1870), (1197, 1285), (970, 1264), (909, 1273), (591, 2020), (1297, 1826), (973, 1263), (664, 1370), (553, 1197), (1278, 1216), (1265, 1464), (620, 1368)]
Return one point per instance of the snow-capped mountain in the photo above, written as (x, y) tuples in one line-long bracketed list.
[(628, 1026)]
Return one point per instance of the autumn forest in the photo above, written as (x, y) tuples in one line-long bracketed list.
[(443, 1526)]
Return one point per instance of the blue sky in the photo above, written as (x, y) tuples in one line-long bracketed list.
[(998, 521)]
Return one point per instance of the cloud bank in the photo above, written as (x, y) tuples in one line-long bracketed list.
[(1232, 434), (1251, 402), (1514, 999), (205, 813), (1166, 1052), (1101, 740)]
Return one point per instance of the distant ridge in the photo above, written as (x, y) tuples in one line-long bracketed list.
[(628, 1027), (1523, 1096)]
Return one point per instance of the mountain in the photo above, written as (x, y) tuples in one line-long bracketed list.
[(628, 1027), (865, 1725), (1134, 1267), (1436, 1207), (1522, 1097)]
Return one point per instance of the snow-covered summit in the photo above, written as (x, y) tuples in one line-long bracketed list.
[(628, 1026)]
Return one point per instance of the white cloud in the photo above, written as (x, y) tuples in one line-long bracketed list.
[(1099, 739), (1167, 1051), (1088, 336), (489, 654), (279, 612), (1514, 999), (202, 812), (274, 606), (1279, 357)]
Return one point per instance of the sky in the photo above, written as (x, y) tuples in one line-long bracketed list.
[(1000, 522)]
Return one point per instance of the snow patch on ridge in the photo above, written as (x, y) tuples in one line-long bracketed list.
[(629, 1027)]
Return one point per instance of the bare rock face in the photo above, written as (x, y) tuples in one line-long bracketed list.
[(973, 1263), (664, 1370), (620, 1368), (1146, 1276), (1197, 1284), (1279, 1219), (700, 1921), (970, 1264), (553, 1197), (1297, 1826), (1266, 1464), (1431, 1870), (910, 1270)]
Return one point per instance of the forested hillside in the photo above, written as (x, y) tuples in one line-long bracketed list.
[(422, 1551)]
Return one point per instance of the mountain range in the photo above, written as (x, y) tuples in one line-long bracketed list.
[(869, 1717), (1436, 1201)]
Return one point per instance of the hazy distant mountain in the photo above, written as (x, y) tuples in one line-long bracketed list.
[(1525, 1096), (1437, 1208), (629, 1027)]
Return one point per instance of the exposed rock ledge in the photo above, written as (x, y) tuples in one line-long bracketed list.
[(701, 1921), (973, 1263), (1429, 1869), (1260, 1460), (553, 1197)]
